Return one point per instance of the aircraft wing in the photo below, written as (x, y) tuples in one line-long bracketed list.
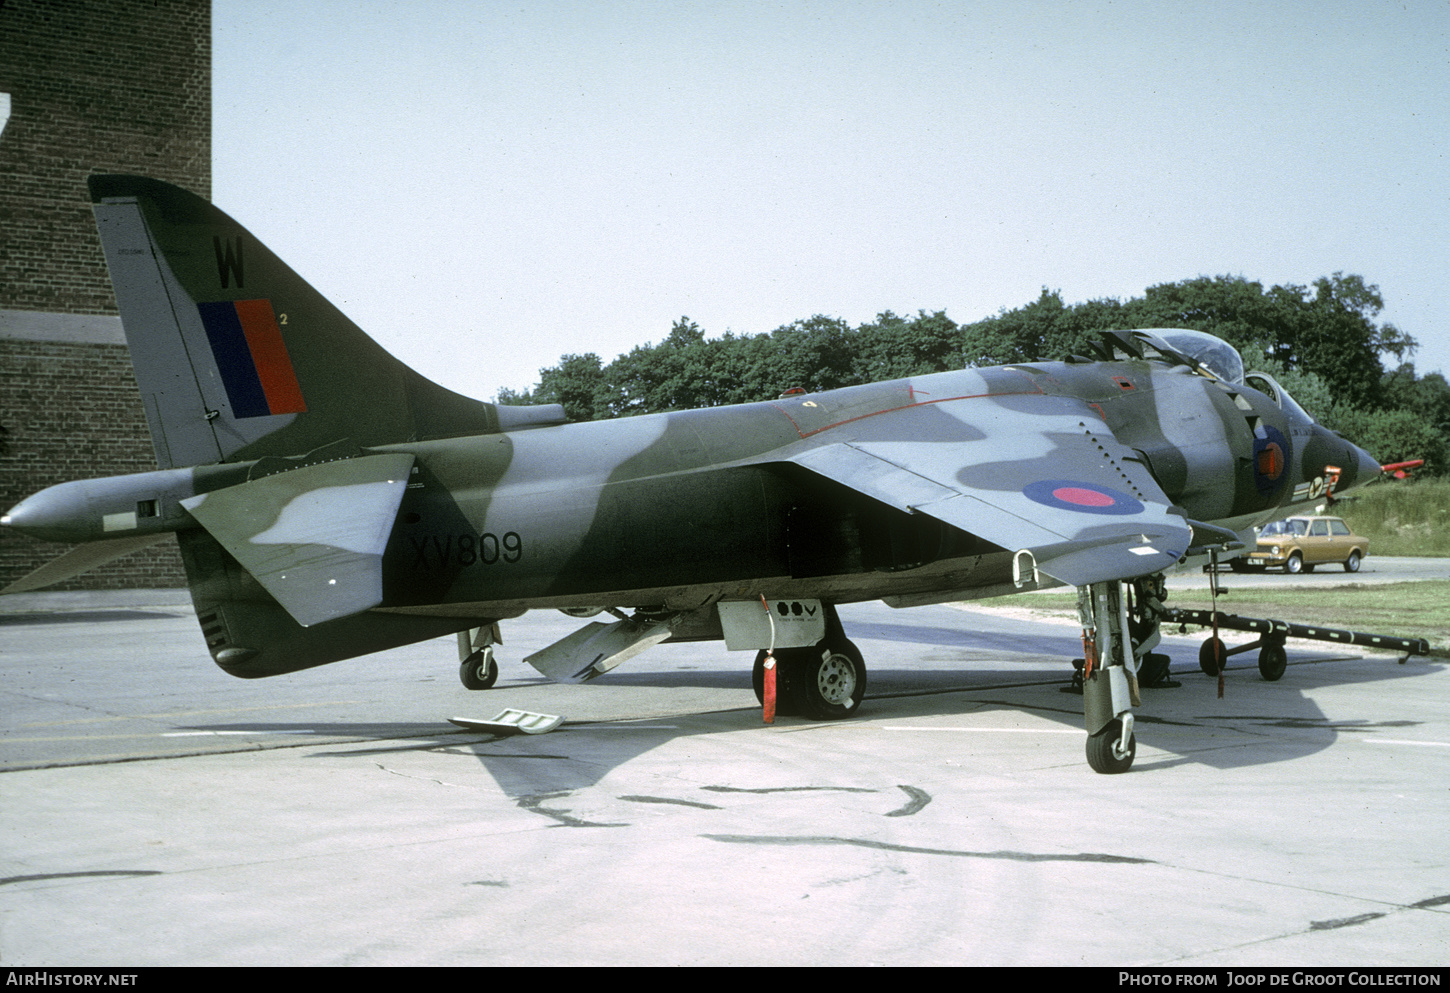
[(313, 537), (1044, 474)]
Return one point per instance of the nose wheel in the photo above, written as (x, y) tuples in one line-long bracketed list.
[(1112, 749), (1110, 675)]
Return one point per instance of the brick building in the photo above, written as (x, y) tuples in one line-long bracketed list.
[(92, 86)]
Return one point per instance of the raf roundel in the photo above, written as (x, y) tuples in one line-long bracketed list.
[(1085, 497)]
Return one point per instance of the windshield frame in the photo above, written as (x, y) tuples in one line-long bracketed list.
[(1276, 393)]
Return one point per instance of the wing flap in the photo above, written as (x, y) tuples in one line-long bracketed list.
[(313, 537)]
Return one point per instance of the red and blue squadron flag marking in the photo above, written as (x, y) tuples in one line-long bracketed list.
[(252, 358)]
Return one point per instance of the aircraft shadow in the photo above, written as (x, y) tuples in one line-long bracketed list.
[(1247, 727)]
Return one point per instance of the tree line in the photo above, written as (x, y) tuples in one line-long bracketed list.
[(1322, 342)]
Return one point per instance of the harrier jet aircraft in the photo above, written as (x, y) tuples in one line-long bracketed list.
[(330, 502)]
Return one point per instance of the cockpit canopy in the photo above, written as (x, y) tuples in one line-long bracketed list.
[(1213, 356), (1180, 346)]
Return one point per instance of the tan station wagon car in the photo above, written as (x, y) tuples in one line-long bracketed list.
[(1298, 544)]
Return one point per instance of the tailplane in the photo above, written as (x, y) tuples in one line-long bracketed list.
[(238, 358)]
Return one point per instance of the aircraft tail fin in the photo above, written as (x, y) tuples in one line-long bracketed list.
[(238, 358)]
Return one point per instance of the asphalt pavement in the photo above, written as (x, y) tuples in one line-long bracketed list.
[(155, 811)]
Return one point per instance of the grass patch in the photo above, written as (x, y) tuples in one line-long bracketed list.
[(1401, 518), (1404, 610)]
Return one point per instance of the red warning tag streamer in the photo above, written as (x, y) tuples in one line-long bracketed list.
[(769, 693), (768, 688), (1219, 657)]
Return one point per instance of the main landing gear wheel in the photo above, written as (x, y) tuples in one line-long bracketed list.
[(479, 671), (830, 682), (785, 702), (823, 683), (1272, 662), (1104, 751)]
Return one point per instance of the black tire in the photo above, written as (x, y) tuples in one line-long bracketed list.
[(1295, 563), (1206, 660), (479, 671), (1102, 750), (828, 682), (785, 704), (1272, 662), (1351, 564)]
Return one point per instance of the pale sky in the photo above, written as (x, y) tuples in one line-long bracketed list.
[(484, 187)]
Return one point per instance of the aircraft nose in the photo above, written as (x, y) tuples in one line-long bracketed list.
[(1369, 466), (1357, 467)]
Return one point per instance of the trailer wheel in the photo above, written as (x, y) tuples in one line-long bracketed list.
[(1272, 662), (1211, 656)]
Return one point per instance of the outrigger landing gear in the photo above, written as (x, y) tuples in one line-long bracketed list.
[(478, 669), (1117, 646)]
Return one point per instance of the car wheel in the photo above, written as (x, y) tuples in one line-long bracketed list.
[(1295, 563), (1351, 564)]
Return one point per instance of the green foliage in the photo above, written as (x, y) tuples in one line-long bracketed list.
[(1328, 330), (1044, 329), (1391, 436), (1402, 518), (574, 382), (895, 347)]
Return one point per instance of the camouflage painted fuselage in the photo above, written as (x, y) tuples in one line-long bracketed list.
[(676, 510)]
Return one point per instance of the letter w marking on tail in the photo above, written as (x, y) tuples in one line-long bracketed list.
[(228, 259)]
